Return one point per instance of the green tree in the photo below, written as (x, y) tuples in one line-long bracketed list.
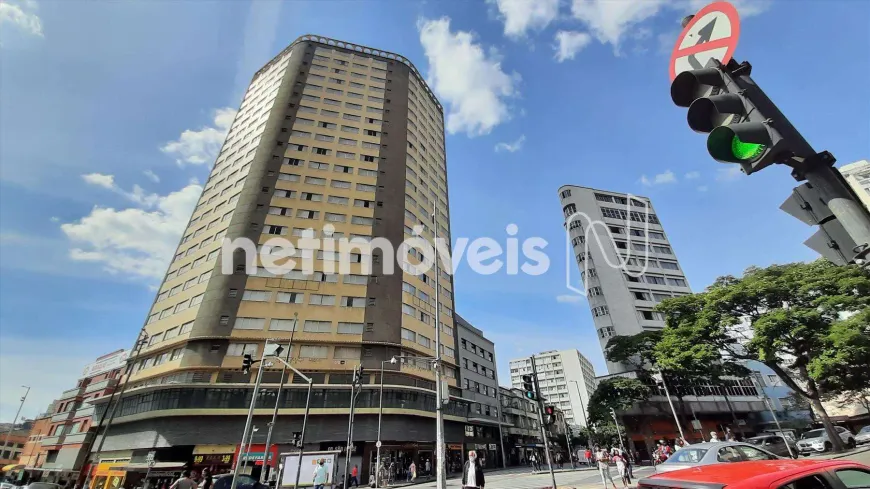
[(617, 393), (785, 316), (636, 350)]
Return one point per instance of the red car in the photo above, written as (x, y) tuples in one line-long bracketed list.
[(765, 474)]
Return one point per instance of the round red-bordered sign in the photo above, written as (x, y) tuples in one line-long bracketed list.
[(712, 33)]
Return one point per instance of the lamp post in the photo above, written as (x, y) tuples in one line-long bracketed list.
[(583, 410), (756, 379), (15, 420), (440, 448), (264, 475), (391, 361), (247, 447), (659, 376)]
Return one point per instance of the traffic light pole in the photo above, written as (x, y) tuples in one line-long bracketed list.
[(541, 419), (355, 387), (568, 440), (250, 416), (265, 475)]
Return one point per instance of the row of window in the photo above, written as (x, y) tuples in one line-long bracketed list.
[(477, 350), (640, 262), (427, 342), (636, 216), (475, 367), (347, 170), (321, 182), (480, 389), (309, 326), (170, 333), (159, 359), (176, 309), (617, 200), (309, 214), (623, 245), (162, 296), (657, 280)]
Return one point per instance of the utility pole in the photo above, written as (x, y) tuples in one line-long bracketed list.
[(661, 378), (756, 379), (112, 404), (618, 433), (440, 444), (583, 410), (247, 363), (355, 387), (541, 419), (15, 420), (568, 440)]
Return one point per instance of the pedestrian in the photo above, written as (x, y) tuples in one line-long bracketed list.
[(428, 467), (472, 473), (412, 471), (321, 475), (559, 459), (207, 480), (603, 457), (185, 482), (588, 455), (729, 435), (354, 477), (714, 437), (533, 458), (622, 467)]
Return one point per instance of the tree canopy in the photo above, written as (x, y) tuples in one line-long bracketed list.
[(617, 393), (789, 317)]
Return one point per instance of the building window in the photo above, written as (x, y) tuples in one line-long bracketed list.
[(317, 326), (240, 349)]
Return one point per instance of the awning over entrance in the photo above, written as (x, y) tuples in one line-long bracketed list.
[(157, 465), (9, 467)]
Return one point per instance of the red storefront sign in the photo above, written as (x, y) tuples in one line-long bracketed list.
[(256, 453)]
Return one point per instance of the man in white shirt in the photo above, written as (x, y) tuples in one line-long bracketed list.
[(472, 473)]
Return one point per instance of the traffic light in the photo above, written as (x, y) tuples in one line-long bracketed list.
[(358, 375), (247, 363), (729, 107), (529, 387), (549, 415)]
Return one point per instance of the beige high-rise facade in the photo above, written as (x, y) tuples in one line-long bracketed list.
[(328, 133)]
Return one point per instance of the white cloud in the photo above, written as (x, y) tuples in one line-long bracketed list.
[(202, 146), (21, 16), (100, 180), (523, 15), (703, 188), (729, 174), (692, 175), (469, 80), (139, 241), (569, 43), (511, 147), (610, 20), (662, 178), (151, 176), (54, 219), (569, 298)]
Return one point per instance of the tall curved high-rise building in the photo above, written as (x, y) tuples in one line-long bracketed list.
[(328, 133)]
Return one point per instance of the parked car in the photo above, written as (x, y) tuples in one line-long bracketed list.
[(817, 441), (863, 436), (775, 444), (243, 481), (765, 474), (713, 453)]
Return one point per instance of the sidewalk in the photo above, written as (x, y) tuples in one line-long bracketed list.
[(519, 470)]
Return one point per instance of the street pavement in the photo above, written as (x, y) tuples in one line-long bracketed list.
[(588, 478)]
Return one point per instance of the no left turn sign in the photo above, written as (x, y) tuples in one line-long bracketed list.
[(712, 33)]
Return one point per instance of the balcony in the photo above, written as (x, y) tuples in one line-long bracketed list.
[(101, 385), (60, 417), (84, 412), (72, 393), (78, 438), (51, 441)]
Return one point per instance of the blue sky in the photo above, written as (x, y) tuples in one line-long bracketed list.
[(576, 90)]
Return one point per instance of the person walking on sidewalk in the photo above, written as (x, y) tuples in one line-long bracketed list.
[(472, 473), (588, 455), (412, 471), (354, 477), (321, 475), (603, 457), (621, 466), (185, 482)]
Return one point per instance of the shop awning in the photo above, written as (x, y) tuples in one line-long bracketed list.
[(155, 466), (9, 467)]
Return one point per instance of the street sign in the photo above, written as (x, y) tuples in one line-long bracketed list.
[(378, 444), (712, 33), (150, 456)]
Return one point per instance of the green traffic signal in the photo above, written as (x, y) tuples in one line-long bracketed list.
[(746, 152)]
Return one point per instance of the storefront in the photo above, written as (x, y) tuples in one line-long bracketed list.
[(109, 476), (455, 458), (216, 463), (254, 458)]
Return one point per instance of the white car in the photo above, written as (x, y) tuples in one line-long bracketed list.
[(816, 441), (863, 436)]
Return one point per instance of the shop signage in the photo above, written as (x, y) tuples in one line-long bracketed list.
[(214, 459), (492, 446), (110, 362), (455, 446), (480, 446), (255, 456)]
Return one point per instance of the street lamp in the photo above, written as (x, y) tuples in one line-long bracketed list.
[(659, 377), (284, 365), (394, 360), (583, 410)]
